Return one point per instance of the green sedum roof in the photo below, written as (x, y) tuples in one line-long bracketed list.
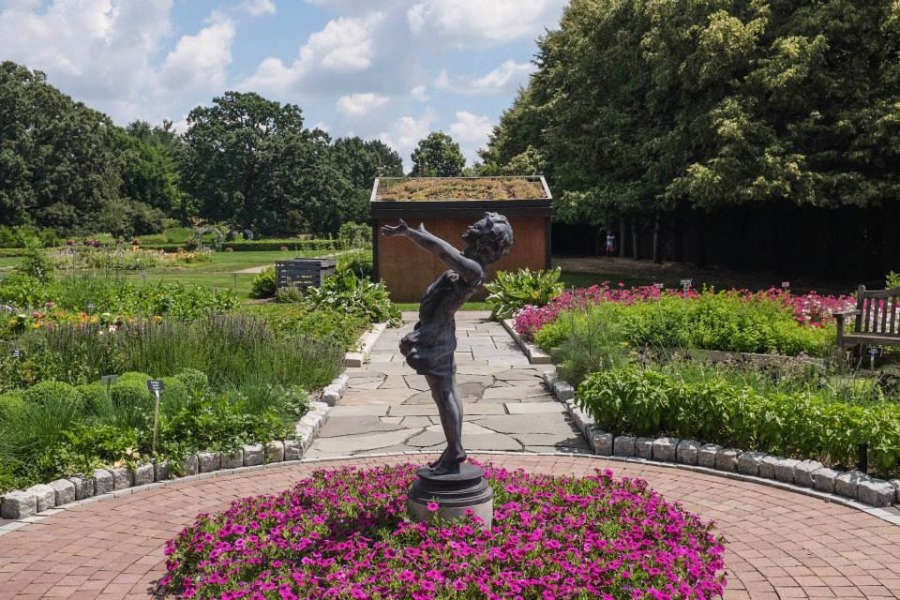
[(412, 189)]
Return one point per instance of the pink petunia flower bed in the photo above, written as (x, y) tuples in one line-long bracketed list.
[(343, 533), (811, 310)]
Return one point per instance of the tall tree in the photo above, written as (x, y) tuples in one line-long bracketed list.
[(56, 164), (639, 106), (361, 162), (437, 156)]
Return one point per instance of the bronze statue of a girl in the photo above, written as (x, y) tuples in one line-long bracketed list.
[(430, 346)]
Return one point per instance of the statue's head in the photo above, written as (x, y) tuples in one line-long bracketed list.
[(489, 239)]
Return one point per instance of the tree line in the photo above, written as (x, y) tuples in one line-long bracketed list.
[(244, 160), (644, 111)]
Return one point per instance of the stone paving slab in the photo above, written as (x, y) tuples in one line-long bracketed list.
[(502, 395)]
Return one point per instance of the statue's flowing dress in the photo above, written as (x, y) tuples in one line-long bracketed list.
[(430, 346)]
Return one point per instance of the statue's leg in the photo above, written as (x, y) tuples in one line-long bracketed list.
[(443, 390)]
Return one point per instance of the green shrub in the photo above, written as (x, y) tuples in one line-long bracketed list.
[(274, 245), (355, 235), (346, 292), (712, 321), (892, 280), (28, 429), (358, 262), (26, 292), (299, 319), (94, 397), (264, 284), (814, 425), (90, 445), (38, 265), (582, 342), (52, 393), (178, 235), (196, 382), (9, 403), (511, 291)]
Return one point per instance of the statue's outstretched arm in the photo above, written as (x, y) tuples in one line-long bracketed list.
[(467, 268)]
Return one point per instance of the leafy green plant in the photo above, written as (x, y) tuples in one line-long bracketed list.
[(584, 341), (892, 280), (346, 292), (359, 262), (803, 424), (264, 284), (355, 235), (712, 321), (511, 291)]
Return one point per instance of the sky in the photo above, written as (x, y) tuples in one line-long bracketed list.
[(388, 69)]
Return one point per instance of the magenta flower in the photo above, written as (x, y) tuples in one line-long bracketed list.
[(344, 534)]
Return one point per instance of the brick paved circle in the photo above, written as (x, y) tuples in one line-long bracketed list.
[(780, 544)]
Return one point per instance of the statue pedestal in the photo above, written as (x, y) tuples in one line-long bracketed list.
[(455, 493)]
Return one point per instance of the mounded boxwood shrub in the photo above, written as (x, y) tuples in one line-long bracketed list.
[(803, 425), (51, 392), (196, 382)]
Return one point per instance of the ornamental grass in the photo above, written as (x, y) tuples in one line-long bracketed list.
[(343, 533)]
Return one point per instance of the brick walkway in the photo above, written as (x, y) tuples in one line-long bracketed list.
[(780, 544)]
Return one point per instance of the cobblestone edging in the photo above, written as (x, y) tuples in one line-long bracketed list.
[(800, 475), (366, 343), (25, 504), (535, 355)]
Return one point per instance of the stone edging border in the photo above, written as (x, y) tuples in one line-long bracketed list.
[(25, 506), (810, 477), (535, 355), (366, 343)]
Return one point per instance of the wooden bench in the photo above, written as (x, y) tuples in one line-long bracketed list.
[(877, 321)]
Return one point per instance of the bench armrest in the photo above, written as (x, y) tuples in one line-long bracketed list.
[(846, 313)]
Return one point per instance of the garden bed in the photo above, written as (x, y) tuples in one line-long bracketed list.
[(551, 537), (798, 474)]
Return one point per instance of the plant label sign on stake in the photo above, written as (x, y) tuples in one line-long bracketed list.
[(785, 285), (874, 352), (686, 285), (156, 386)]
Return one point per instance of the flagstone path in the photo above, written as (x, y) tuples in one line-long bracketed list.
[(506, 407)]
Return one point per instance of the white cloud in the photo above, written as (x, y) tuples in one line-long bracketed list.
[(405, 133), (344, 46), (471, 132), (97, 50), (420, 93), (502, 80), (258, 7), (200, 61), (358, 105), (479, 23), (471, 129)]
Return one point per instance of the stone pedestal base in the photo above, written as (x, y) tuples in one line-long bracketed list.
[(455, 494)]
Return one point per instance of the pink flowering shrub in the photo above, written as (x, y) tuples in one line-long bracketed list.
[(343, 534), (811, 310)]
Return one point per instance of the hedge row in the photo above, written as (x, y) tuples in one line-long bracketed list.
[(650, 403), (257, 246)]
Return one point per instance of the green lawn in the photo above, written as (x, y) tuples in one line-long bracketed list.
[(574, 279), (220, 273), (7, 262)]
